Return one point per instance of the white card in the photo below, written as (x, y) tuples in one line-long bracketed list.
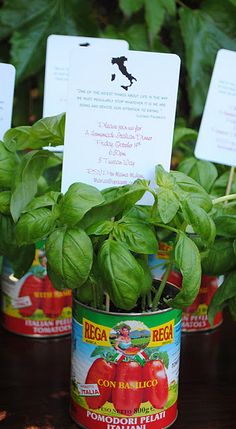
[(120, 116), (57, 67), (217, 135), (7, 83)]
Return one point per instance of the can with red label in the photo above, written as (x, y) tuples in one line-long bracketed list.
[(125, 368), (31, 306), (194, 317)]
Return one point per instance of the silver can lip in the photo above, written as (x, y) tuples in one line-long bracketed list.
[(125, 314)]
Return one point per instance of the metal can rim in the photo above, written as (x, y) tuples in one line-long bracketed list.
[(146, 313)]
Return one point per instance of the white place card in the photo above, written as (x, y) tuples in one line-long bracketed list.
[(217, 135), (7, 83), (120, 116), (57, 67)]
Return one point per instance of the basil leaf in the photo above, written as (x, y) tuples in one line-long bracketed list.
[(77, 201), (182, 135), (220, 185), (164, 179), (204, 172), (189, 189), (226, 225), (117, 199), (20, 138), (225, 292), (168, 204), (21, 259), (50, 130), (147, 279), (137, 235), (46, 200), (8, 165), (45, 132), (154, 17), (220, 258), (85, 293), (232, 307), (129, 7), (188, 261), (70, 253), (7, 234), (138, 212), (121, 273), (5, 198), (29, 172), (35, 225), (200, 221), (101, 228)]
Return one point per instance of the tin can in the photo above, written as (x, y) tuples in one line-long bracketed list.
[(194, 318), (31, 306), (125, 368)]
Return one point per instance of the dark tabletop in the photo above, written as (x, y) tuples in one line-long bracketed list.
[(34, 381)]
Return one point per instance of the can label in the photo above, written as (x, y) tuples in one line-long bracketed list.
[(195, 316), (124, 368), (31, 306)]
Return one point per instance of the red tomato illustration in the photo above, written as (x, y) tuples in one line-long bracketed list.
[(31, 287), (103, 374), (175, 278), (133, 350), (157, 394), (127, 394), (53, 301)]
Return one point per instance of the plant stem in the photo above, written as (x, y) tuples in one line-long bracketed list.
[(143, 303), (94, 295), (170, 228), (181, 3), (223, 199), (230, 181), (159, 292), (149, 299), (107, 302)]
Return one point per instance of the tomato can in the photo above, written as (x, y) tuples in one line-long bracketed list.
[(31, 306), (125, 368), (194, 318)]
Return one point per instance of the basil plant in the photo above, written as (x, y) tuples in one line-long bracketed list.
[(220, 257), (98, 242)]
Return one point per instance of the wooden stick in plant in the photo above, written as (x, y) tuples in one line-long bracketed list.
[(230, 182)]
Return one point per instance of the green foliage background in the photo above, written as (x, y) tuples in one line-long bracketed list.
[(193, 29)]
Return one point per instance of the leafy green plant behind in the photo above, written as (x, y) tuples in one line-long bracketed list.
[(195, 30)]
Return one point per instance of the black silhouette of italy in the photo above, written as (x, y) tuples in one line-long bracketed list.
[(119, 61)]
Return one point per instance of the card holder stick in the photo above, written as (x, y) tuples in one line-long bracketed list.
[(230, 181)]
